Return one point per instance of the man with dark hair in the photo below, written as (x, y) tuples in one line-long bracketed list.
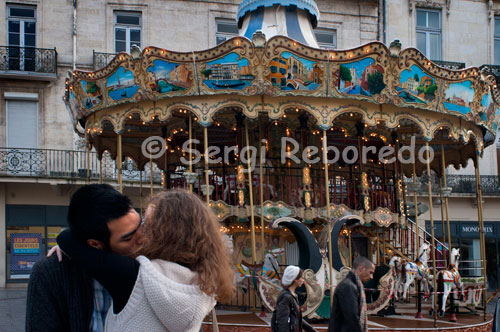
[(61, 296), (349, 303)]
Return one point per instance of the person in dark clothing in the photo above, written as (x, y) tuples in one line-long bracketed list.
[(349, 303), (288, 316), (61, 295)]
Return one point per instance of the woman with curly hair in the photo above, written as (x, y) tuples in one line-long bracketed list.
[(182, 268)]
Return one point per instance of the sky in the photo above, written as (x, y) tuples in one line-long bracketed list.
[(460, 90), (406, 74), (126, 77), (486, 100), (231, 57), (307, 63), (359, 65), (162, 68)]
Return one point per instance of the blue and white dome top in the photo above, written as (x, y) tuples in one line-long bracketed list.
[(252, 5)]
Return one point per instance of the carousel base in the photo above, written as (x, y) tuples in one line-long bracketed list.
[(237, 321)]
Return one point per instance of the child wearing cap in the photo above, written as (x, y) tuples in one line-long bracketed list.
[(288, 316)]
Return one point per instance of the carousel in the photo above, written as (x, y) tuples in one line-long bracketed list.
[(308, 156)]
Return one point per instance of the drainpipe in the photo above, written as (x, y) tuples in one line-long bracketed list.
[(383, 25), (74, 34)]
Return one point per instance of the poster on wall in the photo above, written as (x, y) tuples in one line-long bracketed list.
[(26, 250)]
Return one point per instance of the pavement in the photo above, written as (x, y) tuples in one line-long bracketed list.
[(12, 309)]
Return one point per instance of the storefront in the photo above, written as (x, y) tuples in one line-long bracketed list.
[(31, 232), (465, 235)]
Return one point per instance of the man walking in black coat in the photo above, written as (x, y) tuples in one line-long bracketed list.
[(349, 303)]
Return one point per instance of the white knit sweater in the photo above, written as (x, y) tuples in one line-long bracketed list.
[(165, 298)]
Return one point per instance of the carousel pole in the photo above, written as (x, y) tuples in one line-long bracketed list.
[(479, 197), (88, 162), (415, 204), (151, 174), (140, 190), (119, 161), (205, 144), (445, 184), (441, 205), (100, 169), (432, 232), (350, 246), (250, 194), (190, 128), (261, 192), (325, 161)]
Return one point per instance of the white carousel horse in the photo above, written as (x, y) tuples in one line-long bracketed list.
[(270, 270), (397, 264), (449, 280), (418, 271)]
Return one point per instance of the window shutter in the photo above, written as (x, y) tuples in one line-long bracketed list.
[(22, 124)]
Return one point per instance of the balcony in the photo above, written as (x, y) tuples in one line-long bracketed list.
[(450, 64), (462, 185), (493, 70), (28, 63), (69, 165), (101, 60)]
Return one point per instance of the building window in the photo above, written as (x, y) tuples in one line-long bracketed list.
[(497, 41), (226, 29), (326, 38), (21, 27), (22, 119), (127, 30), (429, 33)]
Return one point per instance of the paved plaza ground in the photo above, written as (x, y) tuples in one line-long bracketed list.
[(13, 309)]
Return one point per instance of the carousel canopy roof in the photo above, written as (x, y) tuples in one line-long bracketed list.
[(386, 89), (253, 5)]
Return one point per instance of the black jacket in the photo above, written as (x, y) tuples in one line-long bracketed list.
[(60, 297), (289, 316), (346, 306)]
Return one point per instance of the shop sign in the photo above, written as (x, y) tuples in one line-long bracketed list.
[(472, 230), (25, 252)]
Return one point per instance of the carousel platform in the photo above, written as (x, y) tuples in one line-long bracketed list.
[(237, 321)]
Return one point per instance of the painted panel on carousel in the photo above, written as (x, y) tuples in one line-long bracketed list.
[(165, 77), (93, 94), (489, 113), (290, 72), (72, 101), (364, 77), (229, 72), (458, 97), (417, 86), (121, 85)]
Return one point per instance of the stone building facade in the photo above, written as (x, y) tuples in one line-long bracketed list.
[(85, 35)]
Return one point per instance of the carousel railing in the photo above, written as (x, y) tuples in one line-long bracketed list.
[(31, 59), (286, 185), (50, 163)]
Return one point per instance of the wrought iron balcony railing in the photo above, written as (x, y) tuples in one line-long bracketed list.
[(493, 70), (28, 59), (47, 163), (450, 64), (101, 60), (462, 184)]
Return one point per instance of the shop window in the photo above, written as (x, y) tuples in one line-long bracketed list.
[(497, 41), (127, 30), (326, 38), (225, 29), (21, 35), (429, 33)]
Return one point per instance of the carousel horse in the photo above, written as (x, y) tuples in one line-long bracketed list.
[(270, 270), (397, 264), (418, 270), (449, 280)]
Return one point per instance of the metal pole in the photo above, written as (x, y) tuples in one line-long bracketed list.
[(190, 150), (151, 174), (100, 168), (88, 162), (415, 203), (261, 185), (329, 222), (442, 219), (140, 190), (432, 232), (205, 143), (445, 184), (119, 162), (482, 242), (250, 194)]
